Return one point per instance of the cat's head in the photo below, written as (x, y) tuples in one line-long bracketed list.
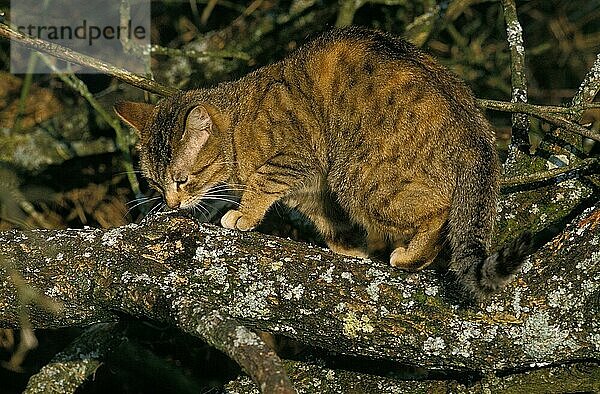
[(182, 144)]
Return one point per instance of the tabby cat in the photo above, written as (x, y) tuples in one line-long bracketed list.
[(375, 142)]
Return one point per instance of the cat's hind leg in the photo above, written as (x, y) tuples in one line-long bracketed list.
[(423, 247)]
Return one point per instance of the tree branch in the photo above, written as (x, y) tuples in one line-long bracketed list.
[(580, 377), (588, 89), (69, 55), (247, 349), (514, 34), (557, 175), (165, 266), (70, 368), (544, 113)]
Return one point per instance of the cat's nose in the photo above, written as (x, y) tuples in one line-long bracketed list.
[(172, 200)]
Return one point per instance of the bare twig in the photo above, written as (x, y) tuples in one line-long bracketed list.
[(518, 78), (69, 55), (557, 174), (421, 28), (587, 90), (207, 11), (534, 109), (26, 296), (121, 140), (547, 114), (225, 54), (347, 10)]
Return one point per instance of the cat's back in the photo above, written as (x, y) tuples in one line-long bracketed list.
[(380, 93), (353, 73), (349, 59)]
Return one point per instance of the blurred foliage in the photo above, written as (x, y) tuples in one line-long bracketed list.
[(62, 166)]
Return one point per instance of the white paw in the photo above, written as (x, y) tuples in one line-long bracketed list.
[(234, 219)]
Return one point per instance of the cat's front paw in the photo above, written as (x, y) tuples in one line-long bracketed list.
[(234, 219)]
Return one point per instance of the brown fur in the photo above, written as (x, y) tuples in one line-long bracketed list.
[(380, 146)]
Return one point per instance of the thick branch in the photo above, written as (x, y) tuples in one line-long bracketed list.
[(157, 270), (581, 377), (248, 350), (73, 366), (588, 89)]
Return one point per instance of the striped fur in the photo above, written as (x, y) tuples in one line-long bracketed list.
[(381, 147)]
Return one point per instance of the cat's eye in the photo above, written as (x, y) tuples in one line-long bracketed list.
[(155, 185), (181, 181)]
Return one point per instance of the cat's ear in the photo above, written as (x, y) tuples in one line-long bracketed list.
[(134, 114), (198, 126)]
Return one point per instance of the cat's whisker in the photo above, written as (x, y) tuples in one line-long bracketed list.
[(198, 206), (144, 201), (157, 208), (136, 200), (206, 212), (240, 185), (226, 195), (129, 172), (227, 187), (216, 198)]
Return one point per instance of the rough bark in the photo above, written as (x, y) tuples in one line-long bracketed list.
[(169, 267), (314, 378), (71, 367)]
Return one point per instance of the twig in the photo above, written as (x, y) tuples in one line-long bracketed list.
[(121, 140), (557, 174), (252, 7), (517, 70), (125, 16), (206, 12), (550, 109), (26, 296), (421, 28), (589, 88), (346, 12), (69, 55), (545, 113), (247, 349), (27, 82), (225, 54)]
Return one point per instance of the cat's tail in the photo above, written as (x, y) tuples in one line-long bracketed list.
[(470, 225)]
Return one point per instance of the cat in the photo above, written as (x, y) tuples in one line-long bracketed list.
[(367, 135)]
